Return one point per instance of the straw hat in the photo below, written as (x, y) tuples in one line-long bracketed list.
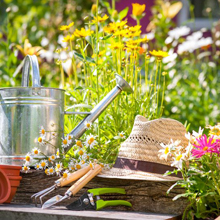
[(138, 155)]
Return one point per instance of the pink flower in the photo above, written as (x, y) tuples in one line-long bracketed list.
[(205, 146)]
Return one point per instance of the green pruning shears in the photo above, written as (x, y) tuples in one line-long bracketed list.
[(87, 202)]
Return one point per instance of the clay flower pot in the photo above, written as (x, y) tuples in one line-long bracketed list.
[(15, 182), (5, 187), (13, 175), (11, 170)]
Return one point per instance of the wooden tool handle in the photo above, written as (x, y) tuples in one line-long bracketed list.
[(85, 179), (74, 176)]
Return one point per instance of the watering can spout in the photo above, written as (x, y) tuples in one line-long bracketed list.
[(80, 129)]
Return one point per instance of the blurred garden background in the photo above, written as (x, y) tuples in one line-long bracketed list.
[(184, 85)]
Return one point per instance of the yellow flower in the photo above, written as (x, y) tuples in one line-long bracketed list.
[(120, 24), (214, 130), (68, 38), (135, 28), (159, 54), (121, 32), (117, 45), (100, 19), (83, 32), (100, 54), (28, 49), (137, 9), (66, 27), (109, 29)]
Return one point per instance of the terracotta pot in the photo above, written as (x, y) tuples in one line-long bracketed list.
[(11, 170), (14, 182), (5, 187)]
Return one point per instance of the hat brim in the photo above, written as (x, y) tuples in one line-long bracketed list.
[(116, 173)]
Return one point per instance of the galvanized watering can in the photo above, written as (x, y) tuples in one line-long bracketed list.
[(23, 110)]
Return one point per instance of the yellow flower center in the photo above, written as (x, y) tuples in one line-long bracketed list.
[(51, 170), (69, 138), (91, 165), (58, 166), (121, 135), (91, 140), (38, 166), (81, 152), (88, 125), (179, 157), (52, 157), (58, 153), (205, 148), (215, 131), (40, 139), (79, 143), (27, 158), (43, 164), (42, 131), (78, 166), (49, 159), (35, 151), (166, 150), (65, 175), (25, 168), (83, 161), (65, 141), (72, 168), (46, 171)]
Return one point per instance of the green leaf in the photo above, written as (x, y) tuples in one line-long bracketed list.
[(79, 106), (182, 195), (80, 56), (123, 13), (106, 37)]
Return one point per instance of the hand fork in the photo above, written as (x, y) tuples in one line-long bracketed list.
[(60, 183)]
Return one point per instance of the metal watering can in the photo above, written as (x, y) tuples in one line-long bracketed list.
[(23, 110)]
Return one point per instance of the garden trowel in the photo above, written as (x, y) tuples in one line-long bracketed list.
[(74, 188)]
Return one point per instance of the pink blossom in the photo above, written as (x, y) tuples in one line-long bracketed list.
[(205, 146)]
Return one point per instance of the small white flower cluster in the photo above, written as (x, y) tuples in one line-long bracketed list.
[(175, 153)]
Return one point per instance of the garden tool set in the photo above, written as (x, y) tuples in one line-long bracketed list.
[(86, 201), (24, 107)]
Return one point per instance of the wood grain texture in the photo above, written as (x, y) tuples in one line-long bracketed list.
[(145, 196)]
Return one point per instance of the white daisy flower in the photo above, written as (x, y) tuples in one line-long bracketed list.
[(42, 132), (69, 138), (58, 168), (52, 157), (50, 171), (122, 135), (65, 142), (38, 166), (165, 152), (41, 140), (28, 158), (80, 152), (88, 124), (90, 141), (66, 174), (198, 134), (43, 164), (58, 153), (71, 166), (25, 168), (178, 161), (36, 151), (78, 166)]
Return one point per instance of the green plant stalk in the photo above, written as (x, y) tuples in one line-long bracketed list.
[(74, 65), (155, 85), (113, 5), (158, 86), (163, 92)]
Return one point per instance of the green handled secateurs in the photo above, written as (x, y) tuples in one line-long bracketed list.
[(87, 201)]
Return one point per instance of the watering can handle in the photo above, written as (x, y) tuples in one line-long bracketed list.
[(30, 62)]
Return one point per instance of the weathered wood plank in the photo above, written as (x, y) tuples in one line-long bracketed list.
[(145, 196)]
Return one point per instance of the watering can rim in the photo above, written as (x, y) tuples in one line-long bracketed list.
[(30, 87)]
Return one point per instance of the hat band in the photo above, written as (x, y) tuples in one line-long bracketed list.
[(145, 166)]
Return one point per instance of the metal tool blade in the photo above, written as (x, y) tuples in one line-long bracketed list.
[(54, 200), (83, 203)]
